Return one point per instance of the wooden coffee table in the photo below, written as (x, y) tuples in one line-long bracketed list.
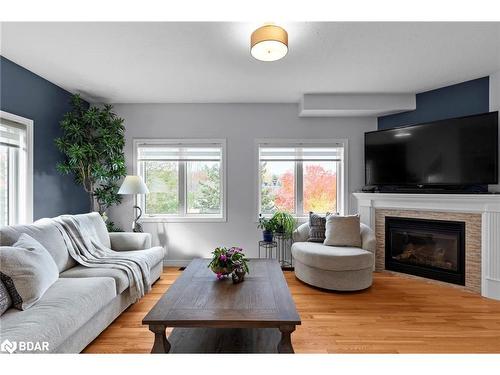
[(198, 299)]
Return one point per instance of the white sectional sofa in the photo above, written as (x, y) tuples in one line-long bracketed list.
[(83, 301), (332, 267)]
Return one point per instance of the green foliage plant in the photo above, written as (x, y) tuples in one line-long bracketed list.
[(92, 143), (266, 224), (285, 223)]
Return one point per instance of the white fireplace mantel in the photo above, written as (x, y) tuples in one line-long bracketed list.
[(488, 205)]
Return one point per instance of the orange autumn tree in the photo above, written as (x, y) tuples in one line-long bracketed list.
[(320, 190), (285, 197)]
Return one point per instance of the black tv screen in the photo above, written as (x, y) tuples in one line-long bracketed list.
[(458, 151)]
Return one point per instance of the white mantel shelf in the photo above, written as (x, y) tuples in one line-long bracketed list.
[(488, 205)]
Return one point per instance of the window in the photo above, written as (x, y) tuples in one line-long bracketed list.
[(299, 177), (185, 179), (16, 199)]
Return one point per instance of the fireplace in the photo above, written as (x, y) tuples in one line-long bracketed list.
[(434, 249)]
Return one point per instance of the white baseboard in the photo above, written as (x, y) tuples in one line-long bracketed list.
[(176, 263), (491, 289)]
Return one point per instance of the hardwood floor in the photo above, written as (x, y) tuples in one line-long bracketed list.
[(396, 315)]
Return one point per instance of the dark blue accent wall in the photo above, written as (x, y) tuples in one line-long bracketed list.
[(28, 95), (462, 99)]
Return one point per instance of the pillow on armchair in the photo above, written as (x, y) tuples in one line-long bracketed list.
[(317, 225), (342, 231)]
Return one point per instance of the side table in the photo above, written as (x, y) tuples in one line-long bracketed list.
[(279, 249), (267, 249)]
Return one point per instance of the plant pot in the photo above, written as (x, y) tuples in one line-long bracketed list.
[(238, 275), (224, 271), (267, 236)]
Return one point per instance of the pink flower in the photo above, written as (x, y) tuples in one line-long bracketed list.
[(223, 258), (220, 276)]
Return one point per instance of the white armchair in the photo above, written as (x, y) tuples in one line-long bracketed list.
[(334, 267)]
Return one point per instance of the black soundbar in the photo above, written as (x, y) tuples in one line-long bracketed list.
[(427, 189)]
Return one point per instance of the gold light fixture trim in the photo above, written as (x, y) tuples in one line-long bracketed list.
[(269, 43)]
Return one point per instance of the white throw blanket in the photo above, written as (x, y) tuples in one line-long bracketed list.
[(84, 247)]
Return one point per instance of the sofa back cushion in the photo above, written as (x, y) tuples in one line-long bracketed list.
[(45, 232), (99, 232)]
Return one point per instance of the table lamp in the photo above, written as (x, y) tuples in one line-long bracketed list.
[(133, 185)]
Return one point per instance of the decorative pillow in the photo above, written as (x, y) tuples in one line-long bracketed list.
[(5, 300), (342, 231), (317, 227), (27, 270)]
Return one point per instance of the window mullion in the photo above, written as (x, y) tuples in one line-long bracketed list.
[(182, 188), (339, 189), (141, 198), (13, 173), (299, 188)]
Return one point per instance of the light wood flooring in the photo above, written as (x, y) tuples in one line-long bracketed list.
[(396, 315)]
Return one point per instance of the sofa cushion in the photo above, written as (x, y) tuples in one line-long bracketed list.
[(332, 258), (27, 270), (45, 232), (342, 231), (99, 231), (64, 308), (152, 256), (120, 276)]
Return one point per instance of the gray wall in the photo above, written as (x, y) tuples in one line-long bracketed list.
[(240, 124)]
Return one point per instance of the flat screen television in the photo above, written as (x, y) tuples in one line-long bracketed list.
[(454, 152)]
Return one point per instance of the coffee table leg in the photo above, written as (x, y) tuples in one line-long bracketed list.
[(161, 344), (285, 344)]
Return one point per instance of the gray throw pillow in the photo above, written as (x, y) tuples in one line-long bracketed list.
[(5, 300), (342, 231), (317, 227), (27, 270)]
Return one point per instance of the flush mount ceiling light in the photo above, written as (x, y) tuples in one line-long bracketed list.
[(269, 43)]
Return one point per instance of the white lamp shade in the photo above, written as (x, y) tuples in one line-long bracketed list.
[(133, 185), (269, 50)]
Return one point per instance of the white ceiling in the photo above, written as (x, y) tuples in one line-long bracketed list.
[(133, 62)]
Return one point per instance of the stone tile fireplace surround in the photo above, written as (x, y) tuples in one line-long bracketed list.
[(480, 213)]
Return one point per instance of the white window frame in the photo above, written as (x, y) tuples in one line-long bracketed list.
[(173, 218), (342, 174), (28, 198)]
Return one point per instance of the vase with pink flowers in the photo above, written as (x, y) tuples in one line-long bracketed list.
[(225, 261)]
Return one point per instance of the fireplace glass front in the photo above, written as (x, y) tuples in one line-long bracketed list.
[(427, 248)]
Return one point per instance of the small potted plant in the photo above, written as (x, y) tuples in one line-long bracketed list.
[(284, 223), (225, 261), (268, 226)]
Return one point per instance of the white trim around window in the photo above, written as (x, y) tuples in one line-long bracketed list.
[(183, 216), (22, 206), (342, 194)]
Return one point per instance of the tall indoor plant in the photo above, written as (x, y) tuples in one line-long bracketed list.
[(92, 143)]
